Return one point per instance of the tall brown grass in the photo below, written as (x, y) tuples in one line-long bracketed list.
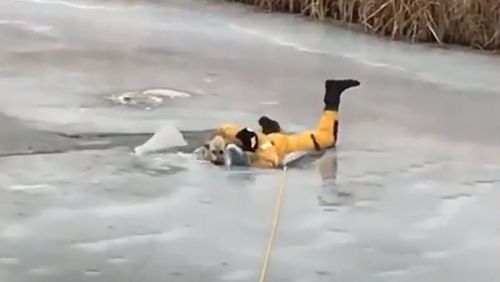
[(474, 23)]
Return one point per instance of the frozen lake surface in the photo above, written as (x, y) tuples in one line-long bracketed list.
[(411, 193)]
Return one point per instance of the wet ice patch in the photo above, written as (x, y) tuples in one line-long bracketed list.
[(107, 244), (168, 93), (71, 4), (239, 275), (338, 237), (449, 209), (167, 163), (9, 260), (332, 238), (275, 39), (148, 98), (269, 103), (117, 260), (92, 272), (391, 273), (94, 143), (39, 271), (31, 188), (425, 186), (160, 164), (31, 27), (435, 255)]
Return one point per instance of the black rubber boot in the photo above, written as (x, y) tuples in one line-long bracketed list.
[(333, 90), (269, 125)]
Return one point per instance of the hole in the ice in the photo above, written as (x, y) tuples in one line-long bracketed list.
[(148, 98)]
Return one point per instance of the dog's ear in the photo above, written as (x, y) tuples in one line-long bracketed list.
[(208, 138)]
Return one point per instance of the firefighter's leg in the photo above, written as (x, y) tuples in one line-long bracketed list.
[(325, 134), (322, 137)]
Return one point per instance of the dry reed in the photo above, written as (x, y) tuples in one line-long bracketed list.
[(474, 23)]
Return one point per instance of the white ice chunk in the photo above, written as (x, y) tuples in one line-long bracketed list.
[(166, 137)]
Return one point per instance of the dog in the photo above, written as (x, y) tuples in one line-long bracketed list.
[(220, 152), (213, 151)]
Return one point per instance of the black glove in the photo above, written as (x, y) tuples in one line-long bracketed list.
[(249, 139), (269, 125)]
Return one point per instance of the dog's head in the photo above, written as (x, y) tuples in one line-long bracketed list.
[(215, 150)]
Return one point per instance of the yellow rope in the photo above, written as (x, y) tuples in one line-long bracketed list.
[(276, 218)]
